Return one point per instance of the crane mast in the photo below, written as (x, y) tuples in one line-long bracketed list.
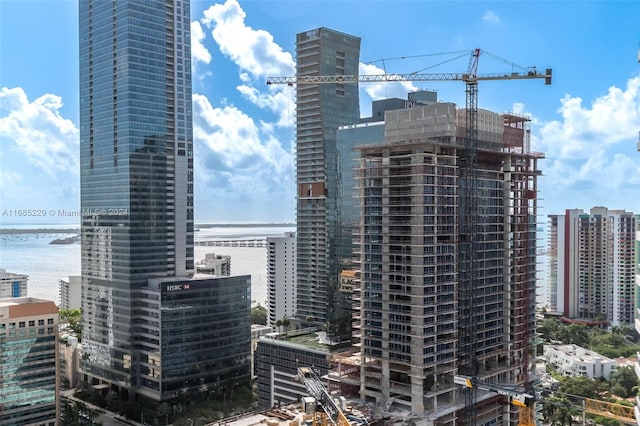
[(317, 390), (468, 211)]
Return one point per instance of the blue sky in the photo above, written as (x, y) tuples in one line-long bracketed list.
[(586, 122)]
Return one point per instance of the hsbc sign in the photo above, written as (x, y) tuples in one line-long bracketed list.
[(178, 287)]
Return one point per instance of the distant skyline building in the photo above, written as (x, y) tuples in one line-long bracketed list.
[(320, 110), (13, 285), (592, 265), (136, 159), (281, 278), (28, 362), (70, 291), (637, 287), (410, 309), (215, 264)]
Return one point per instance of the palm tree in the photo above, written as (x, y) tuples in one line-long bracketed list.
[(548, 410), (70, 413), (279, 324), (564, 412), (285, 323)]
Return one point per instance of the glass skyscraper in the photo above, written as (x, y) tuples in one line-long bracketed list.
[(321, 109), (136, 150)]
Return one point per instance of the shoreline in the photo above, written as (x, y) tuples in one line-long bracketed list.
[(71, 230), (9, 231)]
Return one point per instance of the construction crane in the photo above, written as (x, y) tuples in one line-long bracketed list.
[(526, 402), (518, 398), (468, 210), (317, 390)]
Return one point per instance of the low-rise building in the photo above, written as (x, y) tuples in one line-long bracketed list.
[(12, 285), (573, 360), (277, 359), (215, 264)]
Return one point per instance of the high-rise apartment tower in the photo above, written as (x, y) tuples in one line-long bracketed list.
[(136, 153), (592, 265), (281, 277), (321, 109)]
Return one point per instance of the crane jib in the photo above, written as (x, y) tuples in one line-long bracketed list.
[(390, 78)]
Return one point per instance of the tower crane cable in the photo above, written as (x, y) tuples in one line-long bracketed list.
[(424, 55), (441, 63)]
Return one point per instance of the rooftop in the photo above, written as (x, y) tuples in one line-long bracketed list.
[(580, 353), (5, 274), (311, 339), (15, 307)]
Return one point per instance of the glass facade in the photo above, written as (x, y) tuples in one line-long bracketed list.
[(28, 357), (276, 365), (194, 336), (348, 211), (136, 151), (321, 109)]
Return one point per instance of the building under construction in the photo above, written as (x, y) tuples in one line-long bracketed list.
[(417, 326)]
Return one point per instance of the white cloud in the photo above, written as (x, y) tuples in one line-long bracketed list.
[(376, 91), (199, 52), (230, 141), (610, 119), (48, 141), (257, 56), (39, 153), (491, 17), (254, 51), (241, 163), (591, 149)]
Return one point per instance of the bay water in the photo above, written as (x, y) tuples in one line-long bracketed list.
[(27, 250)]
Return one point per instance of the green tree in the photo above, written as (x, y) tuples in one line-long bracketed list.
[(612, 345), (286, 322), (623, 380), (582, 386), (563, 411), (259, 315), (73, 413), (550, 329), (576, 334), (279, 324), (73, 317), (69, 412)]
